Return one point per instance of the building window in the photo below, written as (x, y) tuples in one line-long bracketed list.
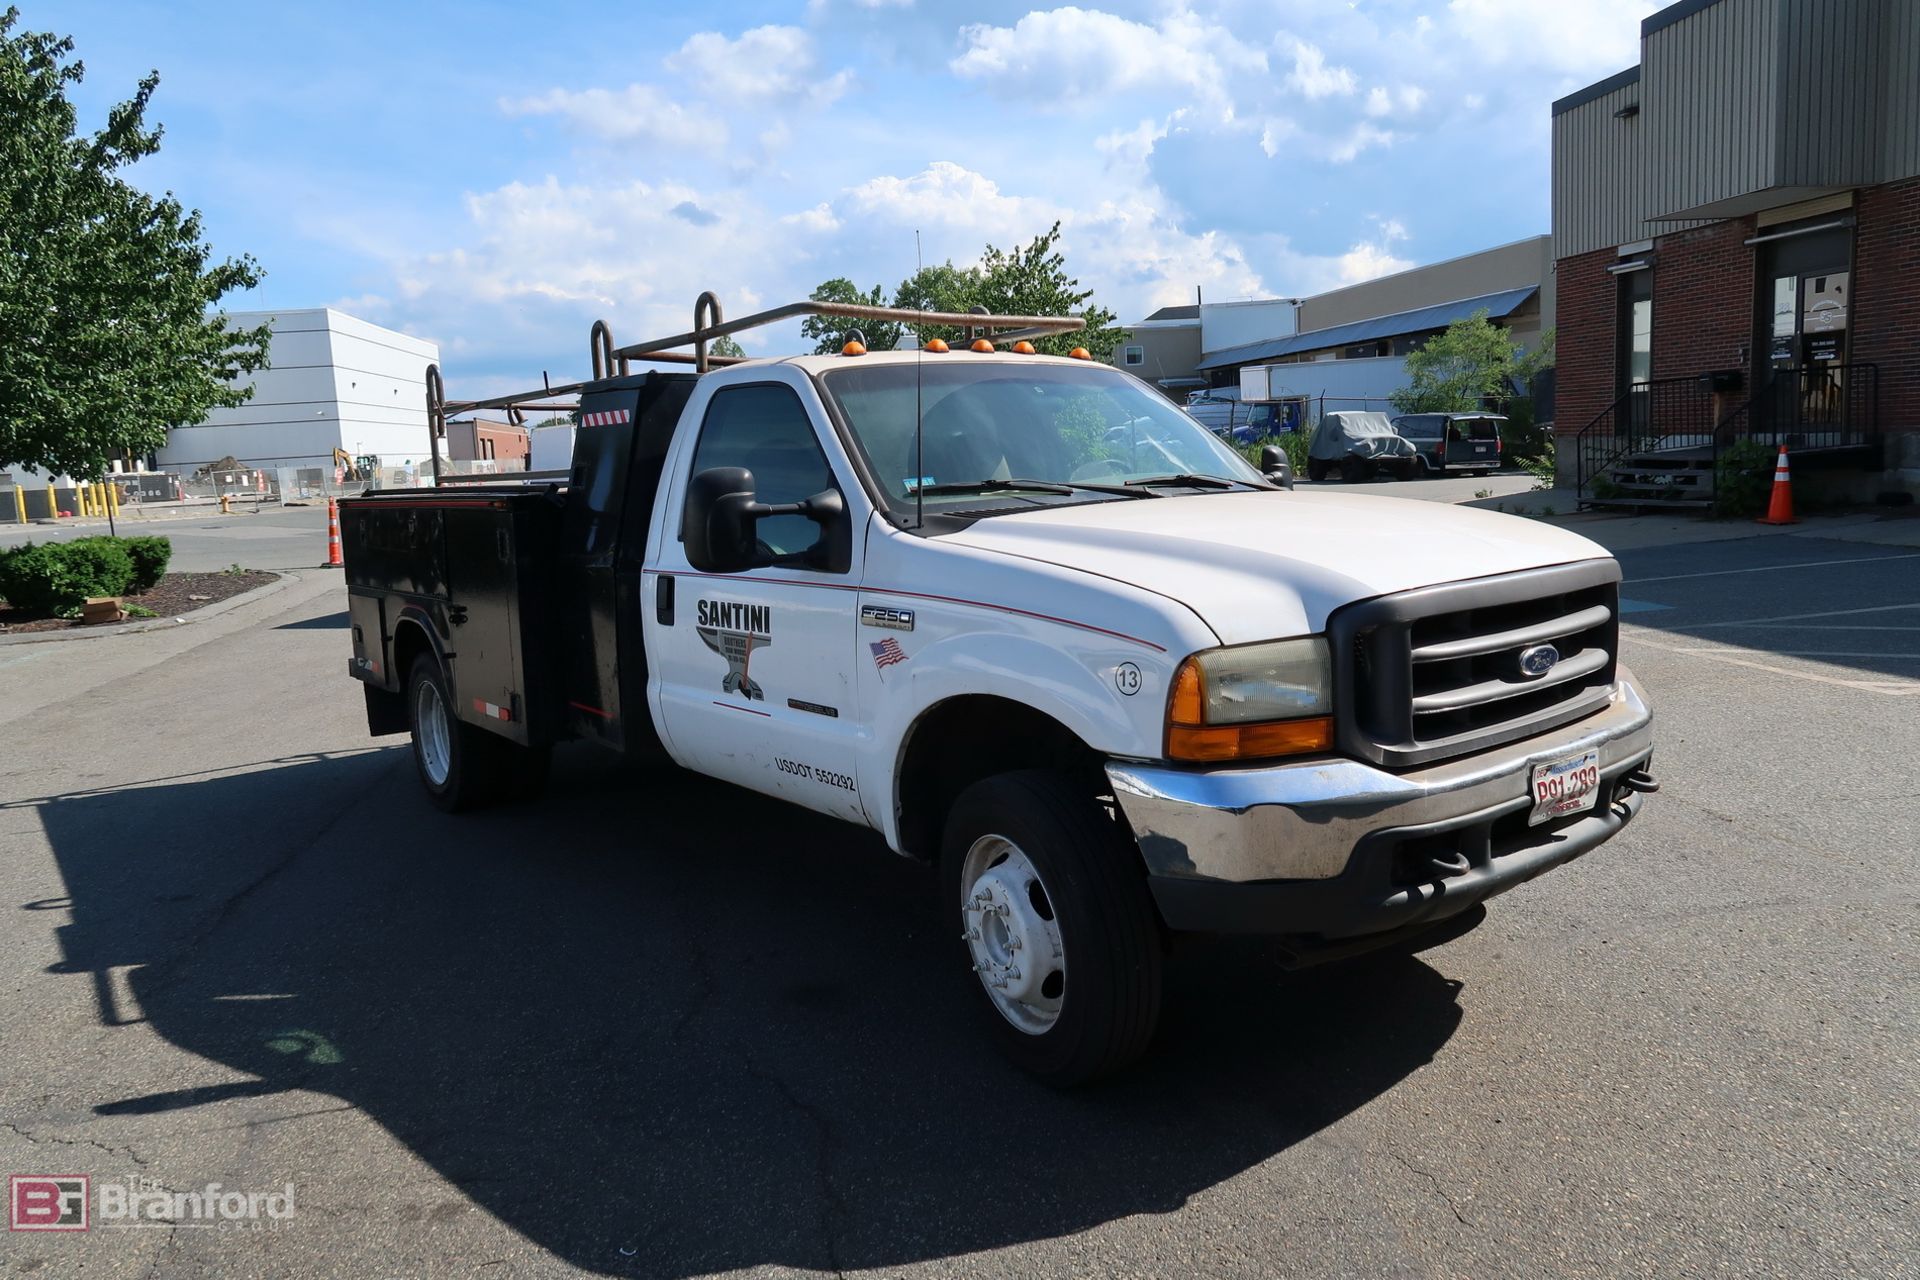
[(1136, 355), (1633, 363)]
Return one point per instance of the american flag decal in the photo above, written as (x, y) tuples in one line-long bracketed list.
[(886, 653)]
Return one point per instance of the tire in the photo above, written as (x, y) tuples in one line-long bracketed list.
[(457, 763), (1316, 470), (1355, 470), (1028, 857)]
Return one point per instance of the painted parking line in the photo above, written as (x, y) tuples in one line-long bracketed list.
[(1772, 568), (1890, 687), (1642, 606), (1802, 617)]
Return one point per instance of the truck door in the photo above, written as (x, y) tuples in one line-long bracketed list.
[(753, 669)]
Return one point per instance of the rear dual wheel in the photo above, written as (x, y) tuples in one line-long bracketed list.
[(1056, 924), (462, 766)]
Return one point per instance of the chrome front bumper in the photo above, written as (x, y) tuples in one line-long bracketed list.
[(1305, 822)]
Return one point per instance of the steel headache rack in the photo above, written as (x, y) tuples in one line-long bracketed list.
[(610, 361)]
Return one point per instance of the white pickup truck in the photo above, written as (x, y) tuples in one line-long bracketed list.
[(1022, 617)]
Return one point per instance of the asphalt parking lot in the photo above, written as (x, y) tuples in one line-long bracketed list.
[(658, 1026)]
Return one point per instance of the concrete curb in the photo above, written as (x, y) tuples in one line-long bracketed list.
[(214, 610)]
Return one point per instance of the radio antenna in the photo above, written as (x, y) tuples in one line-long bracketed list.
[(919, 354)]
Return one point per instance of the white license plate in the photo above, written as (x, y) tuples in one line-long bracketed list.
[(1570, 784)]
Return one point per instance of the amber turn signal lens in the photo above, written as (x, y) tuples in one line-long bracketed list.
[(1249, 741), (981, 344), (936, 345), (854, 349), (1081, 353), (1187, 706), (1023, 348)]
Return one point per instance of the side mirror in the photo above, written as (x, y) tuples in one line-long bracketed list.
[(722, 516), (717, 527), (1274, 464)]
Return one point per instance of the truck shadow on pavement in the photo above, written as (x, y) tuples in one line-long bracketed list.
[(662, 1026)]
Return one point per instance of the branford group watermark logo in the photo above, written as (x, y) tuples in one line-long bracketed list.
[(59, 1202), (47, 1202)]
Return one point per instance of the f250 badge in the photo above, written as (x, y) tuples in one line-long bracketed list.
[(734, 630)]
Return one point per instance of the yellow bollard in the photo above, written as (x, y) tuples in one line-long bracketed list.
[(82, 498), (20, 503), (53, 502), (113, 499)]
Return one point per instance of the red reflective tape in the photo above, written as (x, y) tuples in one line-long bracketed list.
[(592, 711), (493, 710), (734, 706)]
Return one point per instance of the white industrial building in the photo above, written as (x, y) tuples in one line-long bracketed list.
[(332, 382)]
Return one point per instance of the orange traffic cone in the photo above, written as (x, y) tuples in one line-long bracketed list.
[(1780, 506), (334, 560)]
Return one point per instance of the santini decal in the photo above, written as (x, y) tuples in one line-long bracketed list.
[(734, 630)]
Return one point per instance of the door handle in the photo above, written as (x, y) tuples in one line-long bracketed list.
[(663, 600)]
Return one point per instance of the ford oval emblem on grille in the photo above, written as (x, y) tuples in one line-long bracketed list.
[(1539, 660)]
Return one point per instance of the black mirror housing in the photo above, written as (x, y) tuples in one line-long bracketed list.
[(722, 517), (718, 525), (1274, 465)]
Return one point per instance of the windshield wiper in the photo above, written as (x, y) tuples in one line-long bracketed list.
[(1064, 488), (1192, 481)]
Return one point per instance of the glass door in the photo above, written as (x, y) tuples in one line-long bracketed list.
[(1806, 289)]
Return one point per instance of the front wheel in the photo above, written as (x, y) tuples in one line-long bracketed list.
[(1316, 470), (1050, 900)]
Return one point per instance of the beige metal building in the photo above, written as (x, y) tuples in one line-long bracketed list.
[(1379, 320)]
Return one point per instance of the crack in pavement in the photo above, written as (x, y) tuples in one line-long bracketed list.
[(1438, 1186), (36, 1140), (161, 973), (833, 1207)]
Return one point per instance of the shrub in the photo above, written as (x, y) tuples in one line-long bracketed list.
[(1293, 443), (1742, 478), (150, 556), (50, 577), (1541, 466)]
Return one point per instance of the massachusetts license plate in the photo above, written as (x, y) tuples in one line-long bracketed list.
[(1570, 784)]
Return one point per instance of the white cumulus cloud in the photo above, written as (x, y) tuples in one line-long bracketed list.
[(637, 113), (1314, 78), (765, 63), (1070, 54)]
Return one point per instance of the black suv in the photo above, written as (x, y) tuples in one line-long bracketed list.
[(1453, 441)]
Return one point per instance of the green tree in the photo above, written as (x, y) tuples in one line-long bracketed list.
[(830, 333), (1473, 361), (724, 345), (1033, 281), (941, 287), (1029, 281), (104, 289)]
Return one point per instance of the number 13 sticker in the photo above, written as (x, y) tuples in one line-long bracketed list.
[(1126, 678)]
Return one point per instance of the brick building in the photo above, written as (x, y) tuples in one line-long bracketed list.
[(488, 440), (1736, 236)]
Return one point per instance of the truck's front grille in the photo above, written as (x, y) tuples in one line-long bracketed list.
[(1437, 672)]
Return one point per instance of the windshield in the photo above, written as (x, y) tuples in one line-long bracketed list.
[(1055, 424)]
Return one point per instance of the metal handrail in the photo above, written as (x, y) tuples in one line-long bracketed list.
[(1587, 468)]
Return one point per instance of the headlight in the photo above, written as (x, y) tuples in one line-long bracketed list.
[(1252, 701)]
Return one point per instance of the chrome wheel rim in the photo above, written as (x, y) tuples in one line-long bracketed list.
[(431, 736), (1012, 931)]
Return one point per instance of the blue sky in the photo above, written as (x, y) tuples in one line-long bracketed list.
[(495, 176)]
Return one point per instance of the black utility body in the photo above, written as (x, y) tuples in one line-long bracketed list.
[(527, 595)]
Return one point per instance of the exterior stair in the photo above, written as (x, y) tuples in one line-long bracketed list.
[(1666, 479)]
